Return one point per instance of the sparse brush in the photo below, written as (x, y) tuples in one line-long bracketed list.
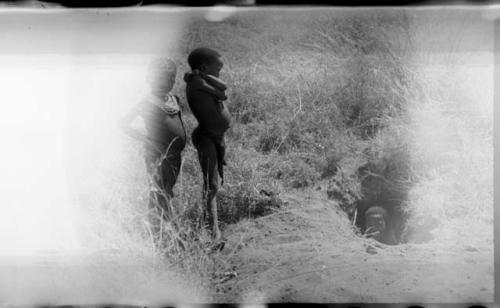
[(451, 165), (320, 97), (297, 171), (242, 201), (249, 190), (278, 139), (345, 185)]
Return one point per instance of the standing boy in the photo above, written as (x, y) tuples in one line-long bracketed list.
[(165, 136), (205, 101)]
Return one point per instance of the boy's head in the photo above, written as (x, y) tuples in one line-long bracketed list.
[(162, 74), (376, 219), (205, 60)]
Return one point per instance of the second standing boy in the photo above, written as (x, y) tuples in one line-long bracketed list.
[(213, 121)]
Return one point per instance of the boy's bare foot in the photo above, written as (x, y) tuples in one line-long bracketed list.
[(218, 246), (218, 241), (216, 234)]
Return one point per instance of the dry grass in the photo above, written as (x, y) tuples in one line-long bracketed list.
[(322, 97)]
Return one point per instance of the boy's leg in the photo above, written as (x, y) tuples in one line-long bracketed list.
[(162, 174), (163, 170), (213, 218), (207, 156), (166, 177), (170, 170), (155, 196)]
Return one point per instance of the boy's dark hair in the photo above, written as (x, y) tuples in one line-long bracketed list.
[(201, 56)]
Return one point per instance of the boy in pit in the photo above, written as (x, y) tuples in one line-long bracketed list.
[(205, 95)]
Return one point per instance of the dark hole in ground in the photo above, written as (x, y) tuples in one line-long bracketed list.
[(375, 197), (382, 209), (381, 219)]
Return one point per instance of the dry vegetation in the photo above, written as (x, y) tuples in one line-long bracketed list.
[(317, 98), (329, 100)]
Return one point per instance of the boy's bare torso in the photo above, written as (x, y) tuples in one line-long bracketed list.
[(211, 113)]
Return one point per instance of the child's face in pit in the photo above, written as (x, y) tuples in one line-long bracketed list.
[(213, 68)]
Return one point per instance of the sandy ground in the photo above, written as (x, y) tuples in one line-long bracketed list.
[(98, 279), (304, 254)]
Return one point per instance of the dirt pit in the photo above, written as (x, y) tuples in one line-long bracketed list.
[(308, 252)]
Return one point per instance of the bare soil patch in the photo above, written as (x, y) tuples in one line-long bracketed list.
[(307, 252)]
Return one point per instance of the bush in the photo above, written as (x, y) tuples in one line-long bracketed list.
[(248, 190), (345, 184), (242, 201), (278, 139), (296, 172)]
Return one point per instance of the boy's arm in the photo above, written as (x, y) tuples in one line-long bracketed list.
[(206, 113), (204, 86), (214, 81)]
